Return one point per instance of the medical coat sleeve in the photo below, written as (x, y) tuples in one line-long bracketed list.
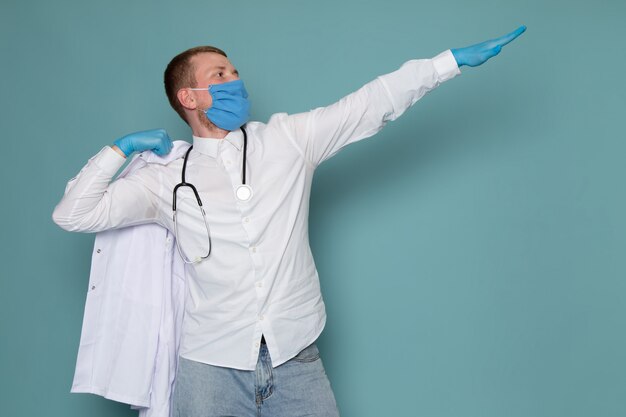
[(92, 203), (320, 133)]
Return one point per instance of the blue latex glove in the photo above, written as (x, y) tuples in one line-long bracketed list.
[(156, 140), (477, 54)]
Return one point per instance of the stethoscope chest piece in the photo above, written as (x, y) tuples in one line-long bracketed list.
[(243, 192)]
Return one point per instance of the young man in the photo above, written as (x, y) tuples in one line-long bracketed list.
[(254, 308)]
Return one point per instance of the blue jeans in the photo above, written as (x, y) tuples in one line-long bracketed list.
[(298, 387)]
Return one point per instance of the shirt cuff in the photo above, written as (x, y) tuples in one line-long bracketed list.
[(108, 160), (446, 65)]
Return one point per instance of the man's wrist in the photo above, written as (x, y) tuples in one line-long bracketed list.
[(125, 144), (118, 150), (446, 65)]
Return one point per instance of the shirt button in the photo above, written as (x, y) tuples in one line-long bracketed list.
[(228, 162), (93, 287), (99, 250), (253, 248), (246, 219), (257, 344), (259, 284), (261, 317)]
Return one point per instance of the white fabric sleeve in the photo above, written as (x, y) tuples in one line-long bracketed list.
[(320, 133), (92, 203)]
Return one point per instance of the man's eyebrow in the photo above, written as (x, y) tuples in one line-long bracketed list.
[(220, 67)]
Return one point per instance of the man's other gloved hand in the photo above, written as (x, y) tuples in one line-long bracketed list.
[(477, 54), (156, 140)]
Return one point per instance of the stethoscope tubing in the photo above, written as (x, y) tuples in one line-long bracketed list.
[(184, 183)]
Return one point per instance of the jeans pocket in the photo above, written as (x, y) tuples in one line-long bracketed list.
[(308, 354)]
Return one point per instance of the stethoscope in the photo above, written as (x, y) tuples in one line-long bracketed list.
[(243, 193)]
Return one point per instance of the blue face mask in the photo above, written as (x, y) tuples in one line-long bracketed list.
[(230, 108)]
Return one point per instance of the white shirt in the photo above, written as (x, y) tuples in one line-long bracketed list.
[(260, 278)]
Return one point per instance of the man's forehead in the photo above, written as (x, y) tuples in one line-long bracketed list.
[(206, 60)]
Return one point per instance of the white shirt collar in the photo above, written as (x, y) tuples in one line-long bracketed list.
[(210, 146)]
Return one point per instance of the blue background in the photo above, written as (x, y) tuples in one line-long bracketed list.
[(471, 254)]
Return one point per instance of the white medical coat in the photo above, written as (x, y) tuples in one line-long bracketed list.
[(133, 313)]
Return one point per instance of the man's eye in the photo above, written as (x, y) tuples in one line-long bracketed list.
[(220, 73)]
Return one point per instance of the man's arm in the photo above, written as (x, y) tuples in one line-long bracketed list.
[(322, 132), (92, 203)]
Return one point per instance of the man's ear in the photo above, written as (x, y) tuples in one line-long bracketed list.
[(187, 99)]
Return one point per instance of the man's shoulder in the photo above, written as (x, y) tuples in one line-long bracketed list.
[(275, 124), (179, 148), (149, 159)]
